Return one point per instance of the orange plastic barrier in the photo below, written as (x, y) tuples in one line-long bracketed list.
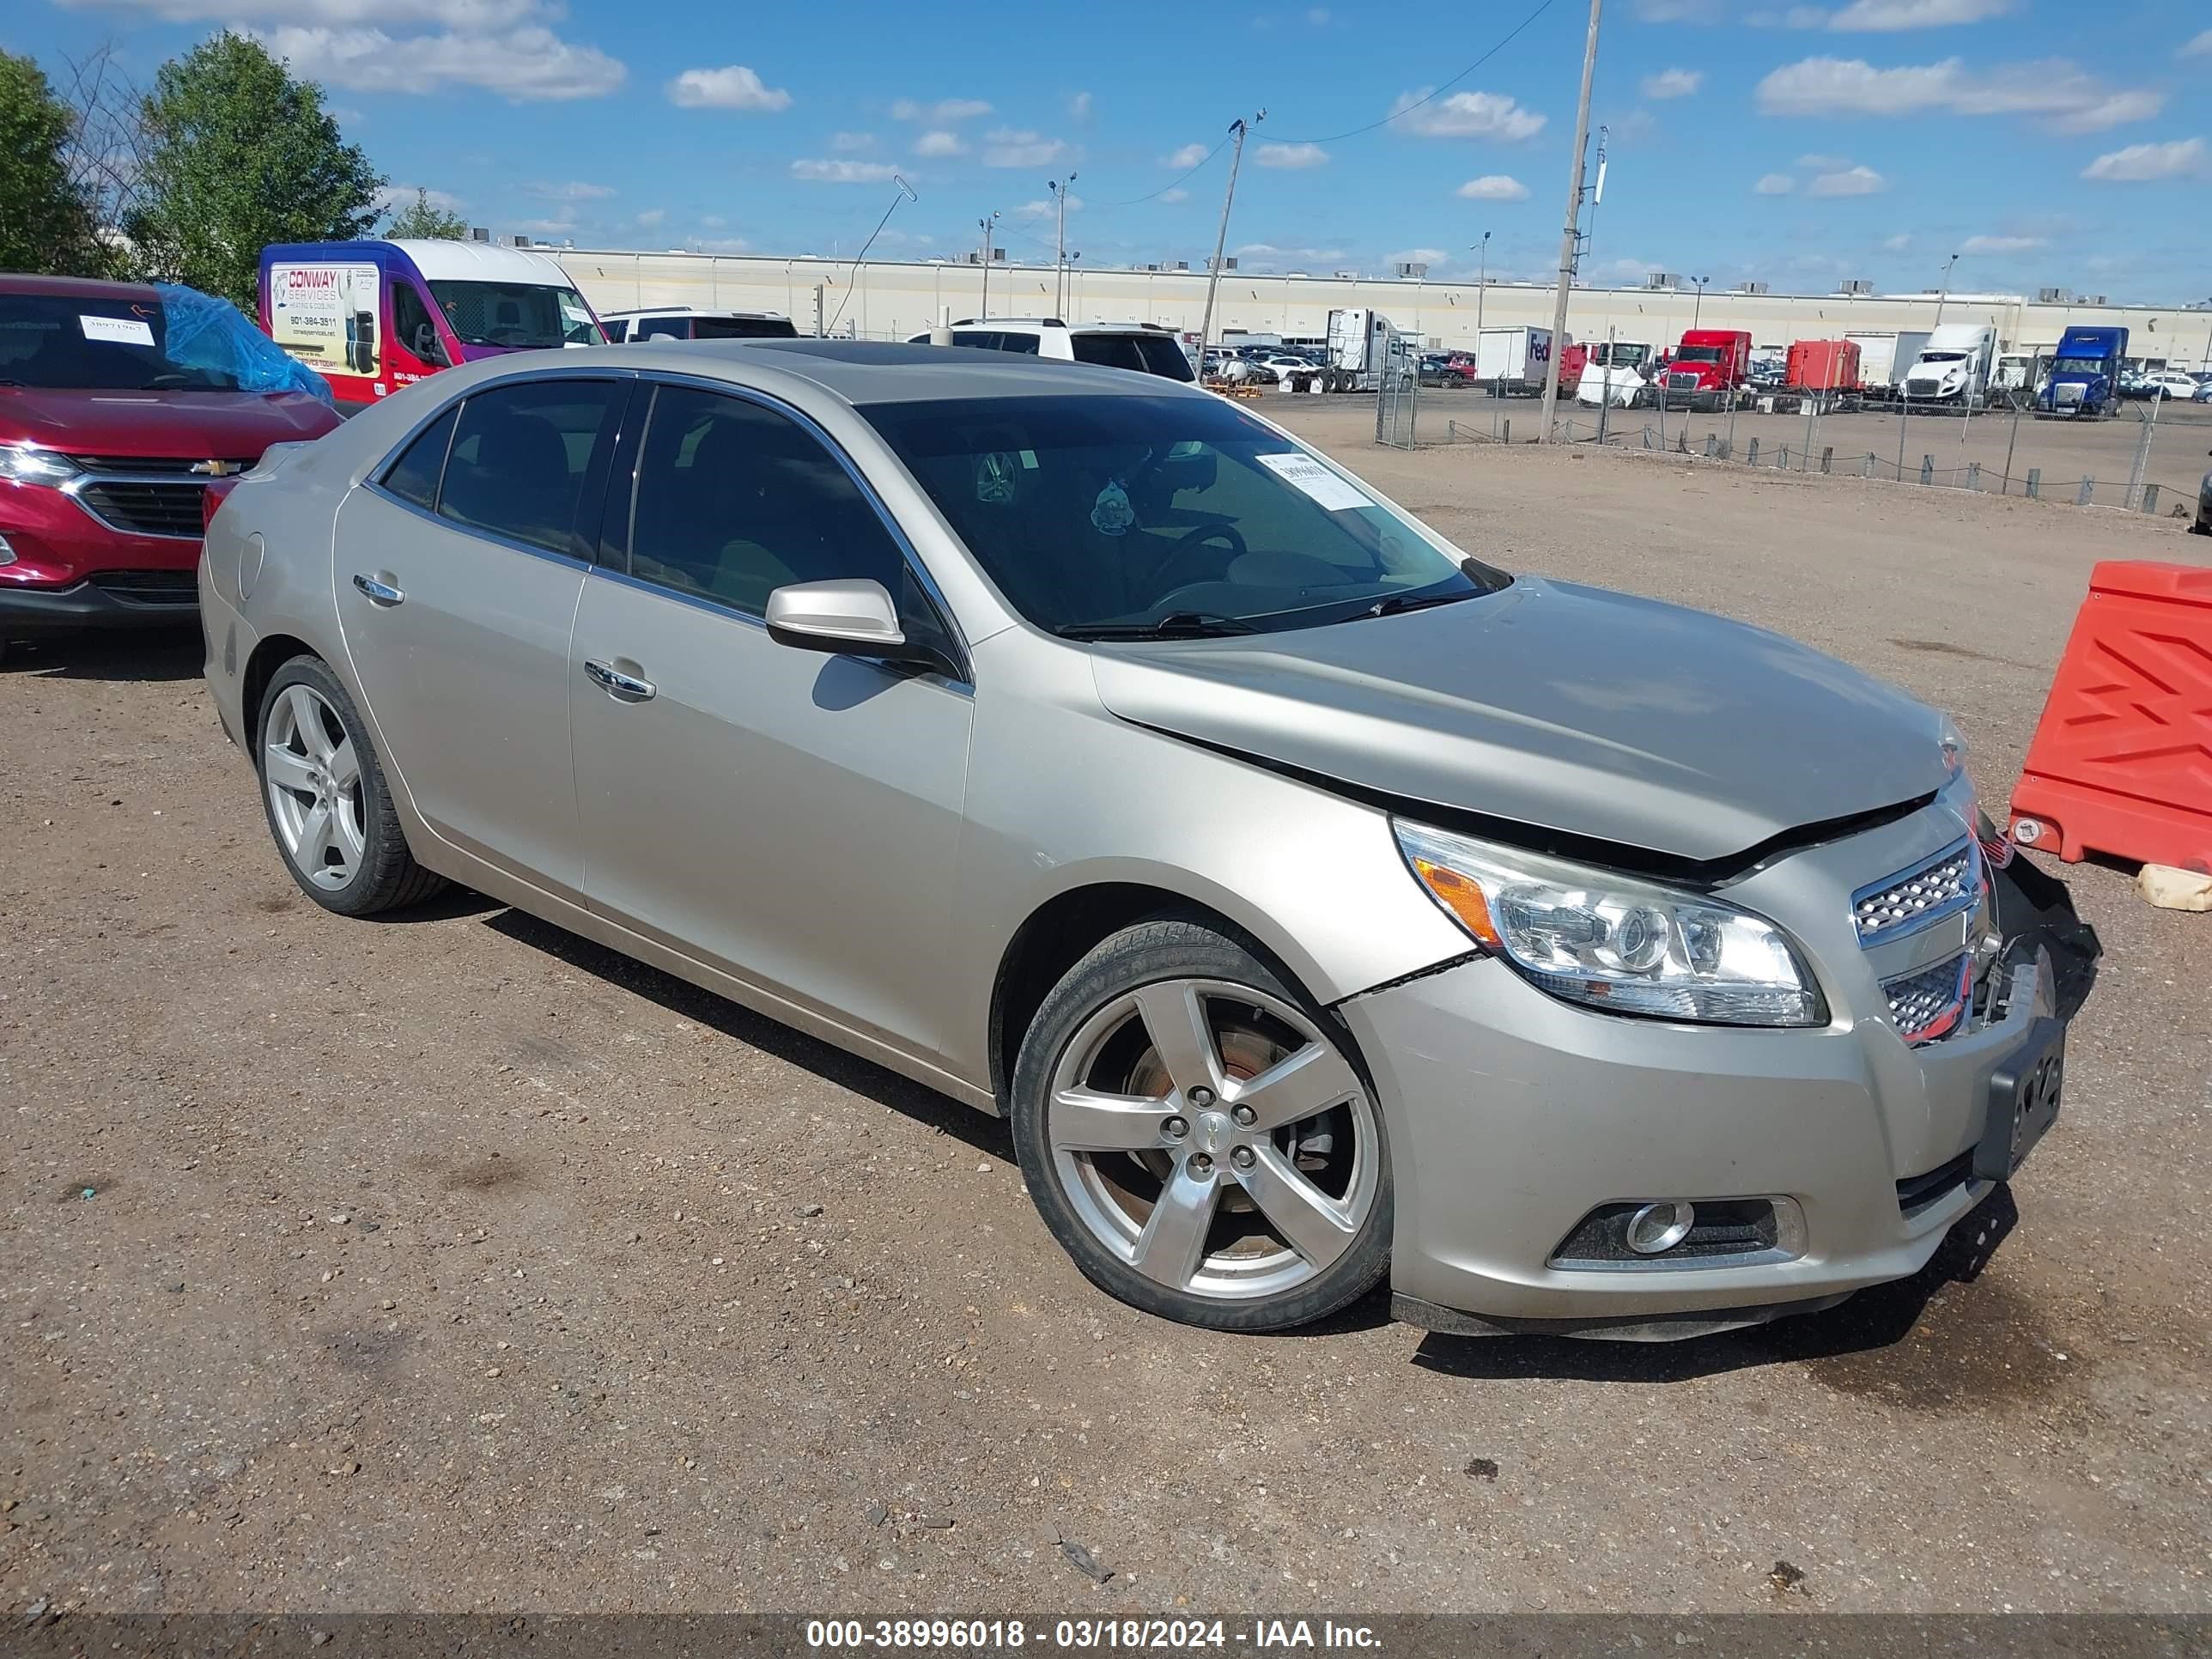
[(2122, 760)]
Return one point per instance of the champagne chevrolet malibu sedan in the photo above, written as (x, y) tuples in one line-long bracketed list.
[(1319, 904)]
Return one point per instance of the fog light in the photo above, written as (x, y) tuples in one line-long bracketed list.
[(7, 553), (1657, 1228)]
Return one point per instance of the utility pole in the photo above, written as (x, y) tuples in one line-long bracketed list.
[(1221, 236), (984, 225), (1697, 307), (1060, 189), (1574, 219), (1943, 293)]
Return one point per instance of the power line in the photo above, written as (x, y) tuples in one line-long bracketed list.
[(1135, 200), (1543, 6)]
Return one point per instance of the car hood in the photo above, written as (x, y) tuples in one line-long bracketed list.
[(214, 425), (1552, 705)]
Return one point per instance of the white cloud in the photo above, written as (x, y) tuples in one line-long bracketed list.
[(1418, 256), (1867, 16), (521, 66), (1774, 183), (1080, 108), (1678, 11), (846, 142), (1465, 115), (2001, 244), (722, 243), (940, 143), (397, 198), (2200, 47), (1494, 187), (651, 216), (560, 226), (1008, 147), (574, 190), (1290, 156), (1673, 83), (731, 87), (1898, 243), (842, 171), (1318, 16), (1824, 164), (2184, 158), (1174, 195), (1850, 181), (1842, 86), (944, 113), (1045, 208), (1794, 17), (1188, 156)]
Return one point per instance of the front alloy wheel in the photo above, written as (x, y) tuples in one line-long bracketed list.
[(1201, 1145)]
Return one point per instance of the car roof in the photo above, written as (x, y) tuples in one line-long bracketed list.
[(688, 310), (871, 371), (1100, 327), (81, 288)]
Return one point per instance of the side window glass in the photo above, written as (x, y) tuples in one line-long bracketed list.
[(981, 338), (618, 329), (414, 475), (735, 501), (410, 319), (519, 460), (1024, 343), (665, 328)]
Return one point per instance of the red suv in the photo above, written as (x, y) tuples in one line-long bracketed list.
[(106, 445)]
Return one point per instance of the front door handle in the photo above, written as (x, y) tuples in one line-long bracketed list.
[(383, 593), (627, 687)]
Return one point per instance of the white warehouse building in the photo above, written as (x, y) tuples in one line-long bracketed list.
[(890, 301)]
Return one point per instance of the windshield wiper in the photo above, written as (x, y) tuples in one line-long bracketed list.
[(1175, 625), (1393, 604)]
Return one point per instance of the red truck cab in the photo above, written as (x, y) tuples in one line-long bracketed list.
[(107, 444), (1708, 361)]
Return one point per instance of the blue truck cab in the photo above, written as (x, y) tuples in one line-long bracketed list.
[(2085, 372)]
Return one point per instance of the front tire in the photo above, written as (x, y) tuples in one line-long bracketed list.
[(1198, 1135), (324, 792)]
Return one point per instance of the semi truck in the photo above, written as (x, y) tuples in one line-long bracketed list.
[(1361, 345), (1606, 370), (1885, 354), (1956, 367), (1708, 363), (2085, 374), (1822, 366)]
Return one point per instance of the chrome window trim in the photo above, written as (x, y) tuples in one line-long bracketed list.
[(815, 429), (1968, 897), (75, 487)]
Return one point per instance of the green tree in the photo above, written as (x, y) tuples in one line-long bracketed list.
[(238, 155), (46, 224), (421, 220)]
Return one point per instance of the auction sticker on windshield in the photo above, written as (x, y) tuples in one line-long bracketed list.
[(1316, 480), (121, 331)]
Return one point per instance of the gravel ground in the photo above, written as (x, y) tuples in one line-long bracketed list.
[(451, 1263)]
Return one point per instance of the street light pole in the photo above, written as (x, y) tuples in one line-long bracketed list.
[(1943, 292), (984, 225), (1697, 309), (1060, 189), (1573, 226), (1481, 288)]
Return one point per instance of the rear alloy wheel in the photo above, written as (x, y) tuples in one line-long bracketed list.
[(328, 805), (1197, 1137)]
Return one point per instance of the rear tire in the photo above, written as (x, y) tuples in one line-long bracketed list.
[(1199, 1136), (324, 792)]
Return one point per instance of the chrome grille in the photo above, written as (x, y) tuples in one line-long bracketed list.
[(1926, 1004), (1677, 382), (1901, 904)]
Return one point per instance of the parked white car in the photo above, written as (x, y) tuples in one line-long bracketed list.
[(1146, 348), (685, 323), (2170, 383)]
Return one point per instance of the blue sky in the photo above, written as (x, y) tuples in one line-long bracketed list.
[(2046, 142)]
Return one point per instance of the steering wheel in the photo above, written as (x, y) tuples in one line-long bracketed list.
[(1187, 543)]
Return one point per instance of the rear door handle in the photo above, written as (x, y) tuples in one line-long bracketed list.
[(378, 592), (627, 687)]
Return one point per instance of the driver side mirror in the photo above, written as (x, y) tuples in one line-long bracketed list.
[(428, 347), (848, 617)]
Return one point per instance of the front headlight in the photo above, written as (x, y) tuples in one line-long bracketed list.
[(1611, 941), (27, 464)]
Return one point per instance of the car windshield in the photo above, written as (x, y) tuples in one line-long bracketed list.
[(1118, 513), (63, 341), (1942, 356), (1699, 355), (515, 313), (2078, 366)]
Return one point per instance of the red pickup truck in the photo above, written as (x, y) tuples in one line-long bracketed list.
[(107, 445)]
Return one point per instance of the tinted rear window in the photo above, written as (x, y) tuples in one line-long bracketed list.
[(520, 457), (1146, 354), (744, 328), (414, 475)]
